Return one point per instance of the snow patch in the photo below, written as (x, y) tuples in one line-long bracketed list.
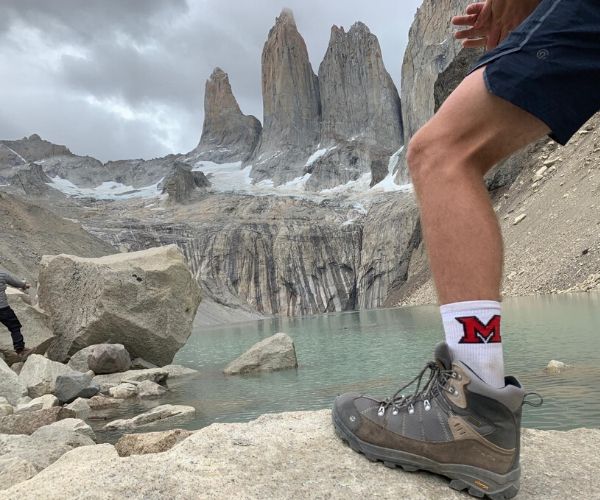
[(106, 191), (388, 184), (318, 155)]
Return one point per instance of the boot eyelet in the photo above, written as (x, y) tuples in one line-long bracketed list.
[(427, 405), (452, 391), (411, 409), (381, 411), (395, 411)]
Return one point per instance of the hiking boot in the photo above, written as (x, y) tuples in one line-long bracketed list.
[(453, 424), (24, 353)]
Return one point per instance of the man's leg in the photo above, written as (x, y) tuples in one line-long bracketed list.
[(9, 319), (448, 157)]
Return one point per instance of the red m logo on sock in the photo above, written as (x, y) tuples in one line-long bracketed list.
[(475, 332)]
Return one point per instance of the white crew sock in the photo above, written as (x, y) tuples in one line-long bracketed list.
[(473, 335)]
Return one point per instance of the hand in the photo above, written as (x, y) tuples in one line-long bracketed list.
[(491, 21), (26, 286)]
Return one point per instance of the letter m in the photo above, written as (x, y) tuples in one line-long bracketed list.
[(475, 332)]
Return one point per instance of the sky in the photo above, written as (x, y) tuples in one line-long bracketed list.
[(119, 79)]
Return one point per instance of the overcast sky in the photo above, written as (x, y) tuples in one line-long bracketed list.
[(119, 79)]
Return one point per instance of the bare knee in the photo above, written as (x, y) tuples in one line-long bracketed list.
[(433, 156), (421, 156)]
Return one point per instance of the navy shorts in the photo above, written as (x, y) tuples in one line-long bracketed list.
[(550, 65)]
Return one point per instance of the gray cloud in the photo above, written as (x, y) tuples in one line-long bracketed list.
[(125, 78)]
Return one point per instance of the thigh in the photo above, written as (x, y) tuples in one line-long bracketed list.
[(475, 126), (9, 319)]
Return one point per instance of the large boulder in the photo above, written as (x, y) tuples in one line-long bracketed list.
[(39, 375), (81, 407), (15, 470), (276, 457), (79, 360), (29, 422), (144, 300), (75, 385), (150, 442), (173, 413), (273, 353), (53, 431), (109, 358), (149, 389), (11, 386)]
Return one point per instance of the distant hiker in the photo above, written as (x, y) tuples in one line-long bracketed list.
[(7, 316), (541, 76)]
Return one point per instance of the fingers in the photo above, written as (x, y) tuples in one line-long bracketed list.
[(469, 33), (465, 20), (475, 8), (474, 43), (493, 39)]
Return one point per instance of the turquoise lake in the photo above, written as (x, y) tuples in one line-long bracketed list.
[(376, 351)]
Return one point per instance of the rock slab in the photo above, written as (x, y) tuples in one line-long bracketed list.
[(273, 353), (29, 422), (173, 413), (143, 300), (150, 442), (11, 386), (297, 455), (39, 375)]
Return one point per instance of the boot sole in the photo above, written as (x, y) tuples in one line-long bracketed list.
[(478, 482)]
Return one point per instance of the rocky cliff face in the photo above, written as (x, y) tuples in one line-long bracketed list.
[(227, 135), (358, 97), (291, 105), (280, 255)]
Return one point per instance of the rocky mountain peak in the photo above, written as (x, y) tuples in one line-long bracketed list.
[(227, 135), (358, 97), (286, 17), (291, 104)]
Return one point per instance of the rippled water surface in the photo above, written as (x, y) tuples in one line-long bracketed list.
[(376, 351)]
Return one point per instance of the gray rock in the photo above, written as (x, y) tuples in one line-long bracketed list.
[(173, 413), (39, 375), (42, 403), (33, 181), (555, 367), (109, 358), (68, 425), (141, 364), (249, 458), (6, 409), (81, 407), (102, 402), (17, 367), (105, 382), (11, 386), (273, 353), (150, 442), (75, 385), (79, 360), (182, 183), (175, 371), (227, 135), (123, 391), (15, 470), (26, 423), (144, 300), (149, 389), (358, 97), (291, 105)]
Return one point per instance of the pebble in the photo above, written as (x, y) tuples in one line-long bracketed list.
[(519, 219)]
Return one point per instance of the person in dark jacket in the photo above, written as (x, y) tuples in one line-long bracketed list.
[(7, 316)]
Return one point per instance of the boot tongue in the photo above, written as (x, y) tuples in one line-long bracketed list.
[(443, 356)]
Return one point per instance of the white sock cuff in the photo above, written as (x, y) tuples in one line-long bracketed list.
[(473, 305)]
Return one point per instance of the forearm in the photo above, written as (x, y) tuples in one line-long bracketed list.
[(15, 282)]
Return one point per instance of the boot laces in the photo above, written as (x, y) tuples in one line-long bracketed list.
[(435, 382)]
